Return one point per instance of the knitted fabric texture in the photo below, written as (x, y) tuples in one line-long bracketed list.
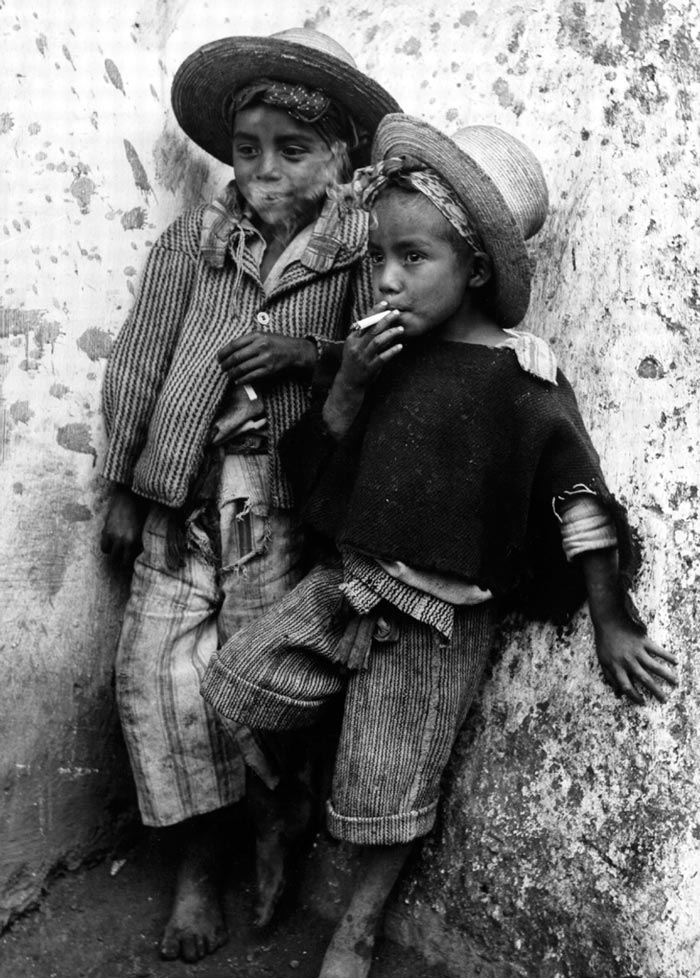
[(163, 384), (452, 466)]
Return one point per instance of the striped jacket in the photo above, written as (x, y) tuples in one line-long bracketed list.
[(163, 385)]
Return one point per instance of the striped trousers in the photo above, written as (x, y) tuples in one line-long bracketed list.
[(401, 712), (184, 761)]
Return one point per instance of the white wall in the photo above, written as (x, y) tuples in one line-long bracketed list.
[(570, 824)]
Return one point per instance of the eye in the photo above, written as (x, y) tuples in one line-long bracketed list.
[(245, 151), (294, 152), (413, 257), (376, 257)]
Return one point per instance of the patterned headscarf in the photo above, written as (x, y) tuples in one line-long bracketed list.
[(368, 182), (309, 105)]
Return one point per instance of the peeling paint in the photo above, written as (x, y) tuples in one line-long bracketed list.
[(176, 167), (76, 437), (137, 169), (134, 219), (650, 369), (114, 75), (20, 412), (505, 97), (96, 343), (636, 17), (68, 57), (82, 187), (76, 513)]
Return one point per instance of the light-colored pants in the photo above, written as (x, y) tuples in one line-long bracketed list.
[(183, 761)]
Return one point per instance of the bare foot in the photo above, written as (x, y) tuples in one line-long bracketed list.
[(349, 954), (271, 855), (196, 926)]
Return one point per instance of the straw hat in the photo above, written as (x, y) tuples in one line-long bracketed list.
[(500, 183), (301, 55)]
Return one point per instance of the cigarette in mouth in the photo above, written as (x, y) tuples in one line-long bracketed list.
[(362, 324)]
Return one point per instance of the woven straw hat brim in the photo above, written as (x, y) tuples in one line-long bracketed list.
[(216, 70), (509, 289)]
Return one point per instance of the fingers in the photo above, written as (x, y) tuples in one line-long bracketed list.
[(235, 345), (626, 680), (622, 684), (660, 652), (659, 669)]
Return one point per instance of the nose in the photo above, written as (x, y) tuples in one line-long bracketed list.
[(388, 278), (268, 165)]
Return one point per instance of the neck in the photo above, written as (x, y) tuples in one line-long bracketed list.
[(472, 325), (280, 233)]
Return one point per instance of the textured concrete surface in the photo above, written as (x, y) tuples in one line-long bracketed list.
[(569, 844)]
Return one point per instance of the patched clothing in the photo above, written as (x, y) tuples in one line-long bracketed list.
[(454, 467), (166, 402), (163, 384)]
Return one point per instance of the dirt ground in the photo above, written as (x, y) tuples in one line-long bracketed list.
[(92, 924)]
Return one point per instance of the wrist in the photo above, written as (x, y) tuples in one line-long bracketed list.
[(307, 355)]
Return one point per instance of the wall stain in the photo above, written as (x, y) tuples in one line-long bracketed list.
[(82, 187), (76, 513), (137, 169), (96, 343), (42, 44), (650, 369), (20, 412), (18, 488), (69, 59), (636, 19), (114, 75), (134, 219), (505, 97), (58, 390), (176, 167), (468, 18), (7, 123), (76, 438)]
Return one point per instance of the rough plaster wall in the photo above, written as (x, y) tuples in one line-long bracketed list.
[(569, 841)]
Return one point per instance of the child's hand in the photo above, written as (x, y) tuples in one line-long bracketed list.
[(625, 655), (121, 533), (367, 351), (262, 356), (626, 658)]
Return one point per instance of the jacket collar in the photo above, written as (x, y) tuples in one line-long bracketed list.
[(336, 239)]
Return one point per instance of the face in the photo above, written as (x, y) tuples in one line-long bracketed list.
[(415, 268), (282, 166)]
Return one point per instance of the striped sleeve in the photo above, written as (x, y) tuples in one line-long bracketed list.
[(143, 350)]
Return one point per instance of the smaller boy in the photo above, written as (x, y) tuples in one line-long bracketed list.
[(447, 464)]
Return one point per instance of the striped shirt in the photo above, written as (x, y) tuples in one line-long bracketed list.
[(163, 385)]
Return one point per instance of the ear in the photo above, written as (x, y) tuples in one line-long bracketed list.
[(481, 270)]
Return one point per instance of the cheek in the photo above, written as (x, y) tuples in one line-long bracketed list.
[(316, 176)]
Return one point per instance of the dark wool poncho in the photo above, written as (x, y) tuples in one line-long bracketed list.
[(453, 466)]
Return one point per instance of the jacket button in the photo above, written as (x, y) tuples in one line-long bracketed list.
[(263, 318)]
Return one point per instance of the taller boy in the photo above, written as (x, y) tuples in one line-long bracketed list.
[(236, 303)]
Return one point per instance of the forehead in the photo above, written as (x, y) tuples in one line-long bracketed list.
[(399, 213), (267, 120)]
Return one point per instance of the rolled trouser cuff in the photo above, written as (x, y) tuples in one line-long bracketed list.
[(381, 830)]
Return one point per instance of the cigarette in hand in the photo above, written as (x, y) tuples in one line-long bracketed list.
[(362, 324)]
